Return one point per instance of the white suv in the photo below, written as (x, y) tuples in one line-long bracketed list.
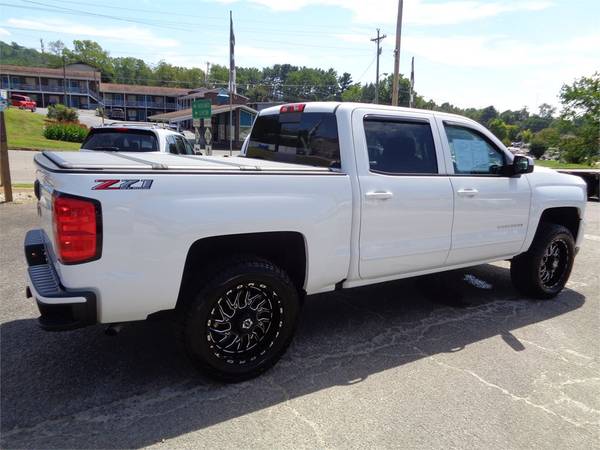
[(139, 137)]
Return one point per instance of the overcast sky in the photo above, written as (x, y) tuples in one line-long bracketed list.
[(507, 53)]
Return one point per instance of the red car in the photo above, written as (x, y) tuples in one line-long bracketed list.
[(23, 102)]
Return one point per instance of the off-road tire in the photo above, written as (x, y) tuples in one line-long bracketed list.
[(529, 271), (202, 319)]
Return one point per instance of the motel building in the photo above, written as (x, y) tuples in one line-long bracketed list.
[(80, 86)]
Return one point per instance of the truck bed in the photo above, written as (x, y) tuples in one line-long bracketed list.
[(113, 162)]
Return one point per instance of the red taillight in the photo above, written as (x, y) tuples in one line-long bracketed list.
[(76, 225), (294, 107)]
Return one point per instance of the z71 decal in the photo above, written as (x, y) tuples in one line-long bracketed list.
[(113, 185)]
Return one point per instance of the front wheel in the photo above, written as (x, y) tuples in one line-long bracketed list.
[(241, 321), (544, 269)]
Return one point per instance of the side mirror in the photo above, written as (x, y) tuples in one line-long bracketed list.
[(522, 164)]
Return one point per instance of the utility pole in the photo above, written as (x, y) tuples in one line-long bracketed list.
[(4, 162), (397, 55), (206, 75), (411, 98), (378, 40), (64, 77)]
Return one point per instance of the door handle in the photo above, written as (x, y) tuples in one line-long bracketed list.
[(467, 192), (379, 195)]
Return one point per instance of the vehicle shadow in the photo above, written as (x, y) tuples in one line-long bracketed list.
[(83, 389)]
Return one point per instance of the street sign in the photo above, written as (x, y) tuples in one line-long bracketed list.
[(201, 109), (3, 99), (207, 136), (196, 123)]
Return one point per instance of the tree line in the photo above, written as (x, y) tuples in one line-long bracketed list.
[(573, 132)]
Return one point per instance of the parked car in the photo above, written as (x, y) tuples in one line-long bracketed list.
[(23, 102), (116, 114), (328, 196), (136, 137)]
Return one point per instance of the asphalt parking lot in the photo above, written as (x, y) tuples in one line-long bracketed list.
[(455, 360)]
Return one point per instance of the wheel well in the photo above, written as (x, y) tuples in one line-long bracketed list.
[(566, 216), (285, 249)]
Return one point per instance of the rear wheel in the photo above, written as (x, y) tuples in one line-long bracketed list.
[(241, 321), (544, 269)]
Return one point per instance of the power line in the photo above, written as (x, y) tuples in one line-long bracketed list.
[(162, 23), (351, 51), (368, 67), (170, 13)]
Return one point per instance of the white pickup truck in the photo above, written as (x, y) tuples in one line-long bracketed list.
[(325, 196)]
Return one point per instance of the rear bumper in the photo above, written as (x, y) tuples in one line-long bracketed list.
[(60, 308)]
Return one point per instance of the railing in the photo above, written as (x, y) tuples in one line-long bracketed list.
[(44, 88), (19, 86), (49, 88), (109, 102)]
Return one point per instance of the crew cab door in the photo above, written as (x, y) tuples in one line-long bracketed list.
[(405, 196), (491, 210)]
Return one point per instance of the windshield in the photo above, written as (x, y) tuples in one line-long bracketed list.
[(301, 138), (121, 140)]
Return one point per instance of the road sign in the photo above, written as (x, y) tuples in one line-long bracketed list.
[(3, 99), (207, 136), (201, 109), (196, 123)]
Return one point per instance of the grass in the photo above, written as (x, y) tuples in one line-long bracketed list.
[(22, 185), (24, 130), (561, 165)]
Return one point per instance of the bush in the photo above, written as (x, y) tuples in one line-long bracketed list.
[(65, 131), (537, 147), (573, 150), (61, 113)]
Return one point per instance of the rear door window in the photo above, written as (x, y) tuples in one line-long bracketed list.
[(301, 138), (400, 147), (127, 140)]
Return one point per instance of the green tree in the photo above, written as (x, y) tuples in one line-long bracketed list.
[(536, 123), (526, 135), (132, 71), (91, 53), (537, 147), (549, 136), (344, 82), (581, 105), (573, 150), (546, 111), (487, 115), (258, 93), (56, 47), (18, 55), (218, 74), (513, 132), (499, 128), (352, 93)]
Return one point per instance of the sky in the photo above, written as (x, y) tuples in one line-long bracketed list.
[(506, 53)]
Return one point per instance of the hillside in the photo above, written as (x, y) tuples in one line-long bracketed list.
[(24, 130)]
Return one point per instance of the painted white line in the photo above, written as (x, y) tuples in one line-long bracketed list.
[(592, 237)]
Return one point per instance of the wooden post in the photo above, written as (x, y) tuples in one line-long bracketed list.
[(4, 164)]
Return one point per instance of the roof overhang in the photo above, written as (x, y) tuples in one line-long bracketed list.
[(186, 114)]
